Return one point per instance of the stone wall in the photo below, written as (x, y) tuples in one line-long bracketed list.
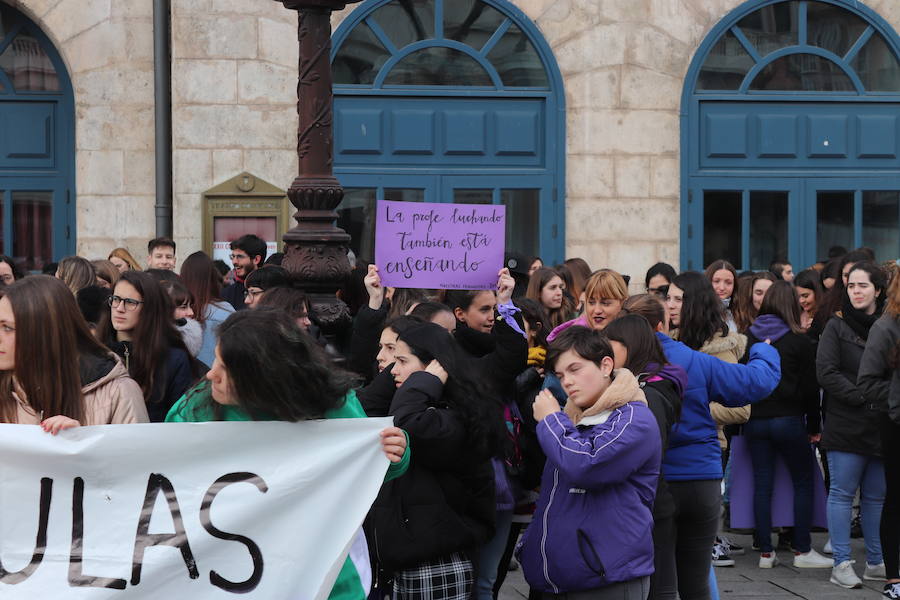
[(234, 78), (107, 46)]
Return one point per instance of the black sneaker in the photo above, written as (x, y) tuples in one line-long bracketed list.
[(720, 556), (891, 590), (730, 547)]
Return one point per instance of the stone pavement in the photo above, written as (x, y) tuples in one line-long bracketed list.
[(746, 580)]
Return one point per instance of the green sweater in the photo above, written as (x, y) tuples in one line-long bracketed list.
[(198, 407)]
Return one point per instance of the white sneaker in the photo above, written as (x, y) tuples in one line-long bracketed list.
[(827, 548), (767, 560), (875, 572), (812, 560), (891, 590), (844, 576)]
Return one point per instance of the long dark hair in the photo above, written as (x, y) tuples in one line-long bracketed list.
[(465, 392), (276, 370), (536, 284), (742, 300), (781, 300), (155, 333), (721, 265), (645, 353), (834, 299), (702, 313), (535, 315), (51, 335), (200, 277)]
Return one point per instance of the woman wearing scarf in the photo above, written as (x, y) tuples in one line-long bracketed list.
[(850, 434), (784, 424)]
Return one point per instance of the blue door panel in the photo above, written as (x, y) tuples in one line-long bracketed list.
[(412, 131), (726, 135), (359, 131), (518, 132), (465, 132), (827, 136), (777, 135), (26, 135), (446, 132), (752, 135), (877, 136)]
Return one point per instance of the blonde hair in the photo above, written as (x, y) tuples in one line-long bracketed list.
[(124, 254), (77, 273), (607, 284)]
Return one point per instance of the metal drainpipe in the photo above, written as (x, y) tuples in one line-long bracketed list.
[(162, 96)]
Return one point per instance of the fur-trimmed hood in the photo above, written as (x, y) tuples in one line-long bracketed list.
[(729, 348), (623, 389)]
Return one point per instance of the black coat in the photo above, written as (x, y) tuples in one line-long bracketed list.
[(367, 327), (445, 502), (797, 393), (875, 371), (501, 355), (665, 404), (172, 379), (850, 424), (234, 295)]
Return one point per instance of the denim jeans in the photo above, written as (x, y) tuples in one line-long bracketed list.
[(488, 557), (850, 472), (785, 437)]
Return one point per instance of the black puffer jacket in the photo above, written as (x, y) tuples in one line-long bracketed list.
[(445, 502), (664, 399), (850, 424), (875, 371)]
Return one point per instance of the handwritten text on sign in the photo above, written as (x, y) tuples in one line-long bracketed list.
[(449, 246), (206, 511)]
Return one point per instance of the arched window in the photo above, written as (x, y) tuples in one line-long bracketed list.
[(449, 101), (792, 139), (36, 148)]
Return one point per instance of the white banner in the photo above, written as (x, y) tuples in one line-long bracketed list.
[(198, 511)]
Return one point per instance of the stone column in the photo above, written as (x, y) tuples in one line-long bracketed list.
[(316, 250)]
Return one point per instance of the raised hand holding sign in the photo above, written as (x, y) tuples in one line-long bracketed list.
[(447, 246)]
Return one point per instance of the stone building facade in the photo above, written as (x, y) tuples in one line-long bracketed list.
[(234, 68)]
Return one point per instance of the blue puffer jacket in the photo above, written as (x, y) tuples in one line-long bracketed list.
[(593, 524), (694, 452)]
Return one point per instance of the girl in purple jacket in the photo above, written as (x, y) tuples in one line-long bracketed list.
[(591, 536)]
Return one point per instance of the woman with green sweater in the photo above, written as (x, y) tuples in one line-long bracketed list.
[(267, 369)]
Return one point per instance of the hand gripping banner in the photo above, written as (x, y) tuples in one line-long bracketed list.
[(187, 510)]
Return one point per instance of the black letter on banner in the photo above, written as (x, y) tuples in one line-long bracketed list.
[(143, 539), (40, 543), (76, 575), (255, 554)]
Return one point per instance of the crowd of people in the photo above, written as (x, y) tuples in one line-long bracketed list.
[(557, 422)]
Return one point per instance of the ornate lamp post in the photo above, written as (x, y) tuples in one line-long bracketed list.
[(316, 250)]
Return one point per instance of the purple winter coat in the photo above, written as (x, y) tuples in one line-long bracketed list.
[(593, 524)]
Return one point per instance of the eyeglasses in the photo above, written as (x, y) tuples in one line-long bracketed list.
[(252, 293), (130, 303), (238, 256), (7, 279)]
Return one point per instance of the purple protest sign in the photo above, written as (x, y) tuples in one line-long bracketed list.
[(446, 246)]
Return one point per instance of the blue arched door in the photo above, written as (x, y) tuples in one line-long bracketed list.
[(791, 136), (449, 101), (36, 145)]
